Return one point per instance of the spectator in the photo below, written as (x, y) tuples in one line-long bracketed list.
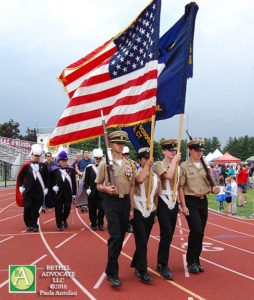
[(234, 194), (83, 162), (231, 171), (242, 181), (221, 196), (228, 195)]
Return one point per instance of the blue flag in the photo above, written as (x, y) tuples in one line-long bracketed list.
[(175, 66)]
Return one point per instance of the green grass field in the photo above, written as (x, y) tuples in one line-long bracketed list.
[(245, 211)]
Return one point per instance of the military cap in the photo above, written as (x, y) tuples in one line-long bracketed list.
[(144, 152), (118, 136), (197, 144), (169, 144)]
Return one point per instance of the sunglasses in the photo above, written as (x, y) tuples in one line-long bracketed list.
[(48, 155)]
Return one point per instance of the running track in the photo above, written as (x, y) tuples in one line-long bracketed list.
[(228, 258)]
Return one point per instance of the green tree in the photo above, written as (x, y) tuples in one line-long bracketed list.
[(10, 129), (30, 135)]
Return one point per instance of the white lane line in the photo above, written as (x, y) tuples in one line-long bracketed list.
[(213, 263), (34, 233), (82, 229), (11, 217), (220, 242), (190, 298), (230, 218), (186, 271), (72, 236), (7, 207), (83, 289), (39, 259), (4, 283), (103, 275), (49, 220), (7, 239), (33, 263), (230, 229)]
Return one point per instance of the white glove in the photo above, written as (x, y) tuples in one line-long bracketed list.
[(73, 199), (88, 191), (45, 191), (55, 188), (21, 189)]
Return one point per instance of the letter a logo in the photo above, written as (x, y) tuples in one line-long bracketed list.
[(22, 279)]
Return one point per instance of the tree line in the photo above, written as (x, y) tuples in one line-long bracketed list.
[(241, 147)]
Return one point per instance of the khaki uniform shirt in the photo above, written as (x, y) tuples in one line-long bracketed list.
[(124, 176), (137, 190), (161, 167), (193, 179)]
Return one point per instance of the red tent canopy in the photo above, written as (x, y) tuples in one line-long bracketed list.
[(228, 158)]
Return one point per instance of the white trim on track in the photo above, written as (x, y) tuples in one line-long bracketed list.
[(241, 220), (84, 290), (59, 245), (211, 262), (11, 217), (6, 207)]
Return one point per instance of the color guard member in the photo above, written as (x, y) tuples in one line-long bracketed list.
[(167, 209), (144, 218), (33, 185), (117, 201), (193, 188)]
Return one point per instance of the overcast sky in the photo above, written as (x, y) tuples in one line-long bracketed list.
[(40, 38)]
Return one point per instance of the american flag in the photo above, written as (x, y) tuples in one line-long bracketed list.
[(119, 78)]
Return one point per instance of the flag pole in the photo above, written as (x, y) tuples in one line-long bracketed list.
[(178, 151), (150, 169)]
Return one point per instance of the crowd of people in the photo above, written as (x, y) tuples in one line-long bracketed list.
[(132, 199), (234, 180)]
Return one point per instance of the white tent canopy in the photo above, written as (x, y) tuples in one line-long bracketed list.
[(212, 156)]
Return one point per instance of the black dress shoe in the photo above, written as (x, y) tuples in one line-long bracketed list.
[(145, 277), (165, 272), (201, 269), (36, 229), (28, 228), (94, 228), (114, 280), (65, 224), (137, 273), (193, 268), (101, 228), (60, 228)]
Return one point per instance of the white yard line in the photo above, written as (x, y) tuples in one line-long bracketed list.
[(49, 220), (33, 263), (220, 242), (11, 217), (213, 263), (186, 271), (103, 275), (215, 212), (84, 290), (72, 236), (7, 207), (230, 229), (8, 238)]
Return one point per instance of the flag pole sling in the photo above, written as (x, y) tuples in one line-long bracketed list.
[(178, 151), (150, 169)]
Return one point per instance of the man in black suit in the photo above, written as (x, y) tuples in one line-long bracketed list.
[(62, 180), (96, 212), (33, 185)]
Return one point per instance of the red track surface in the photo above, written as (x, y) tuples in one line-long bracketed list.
[(228, 258)]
